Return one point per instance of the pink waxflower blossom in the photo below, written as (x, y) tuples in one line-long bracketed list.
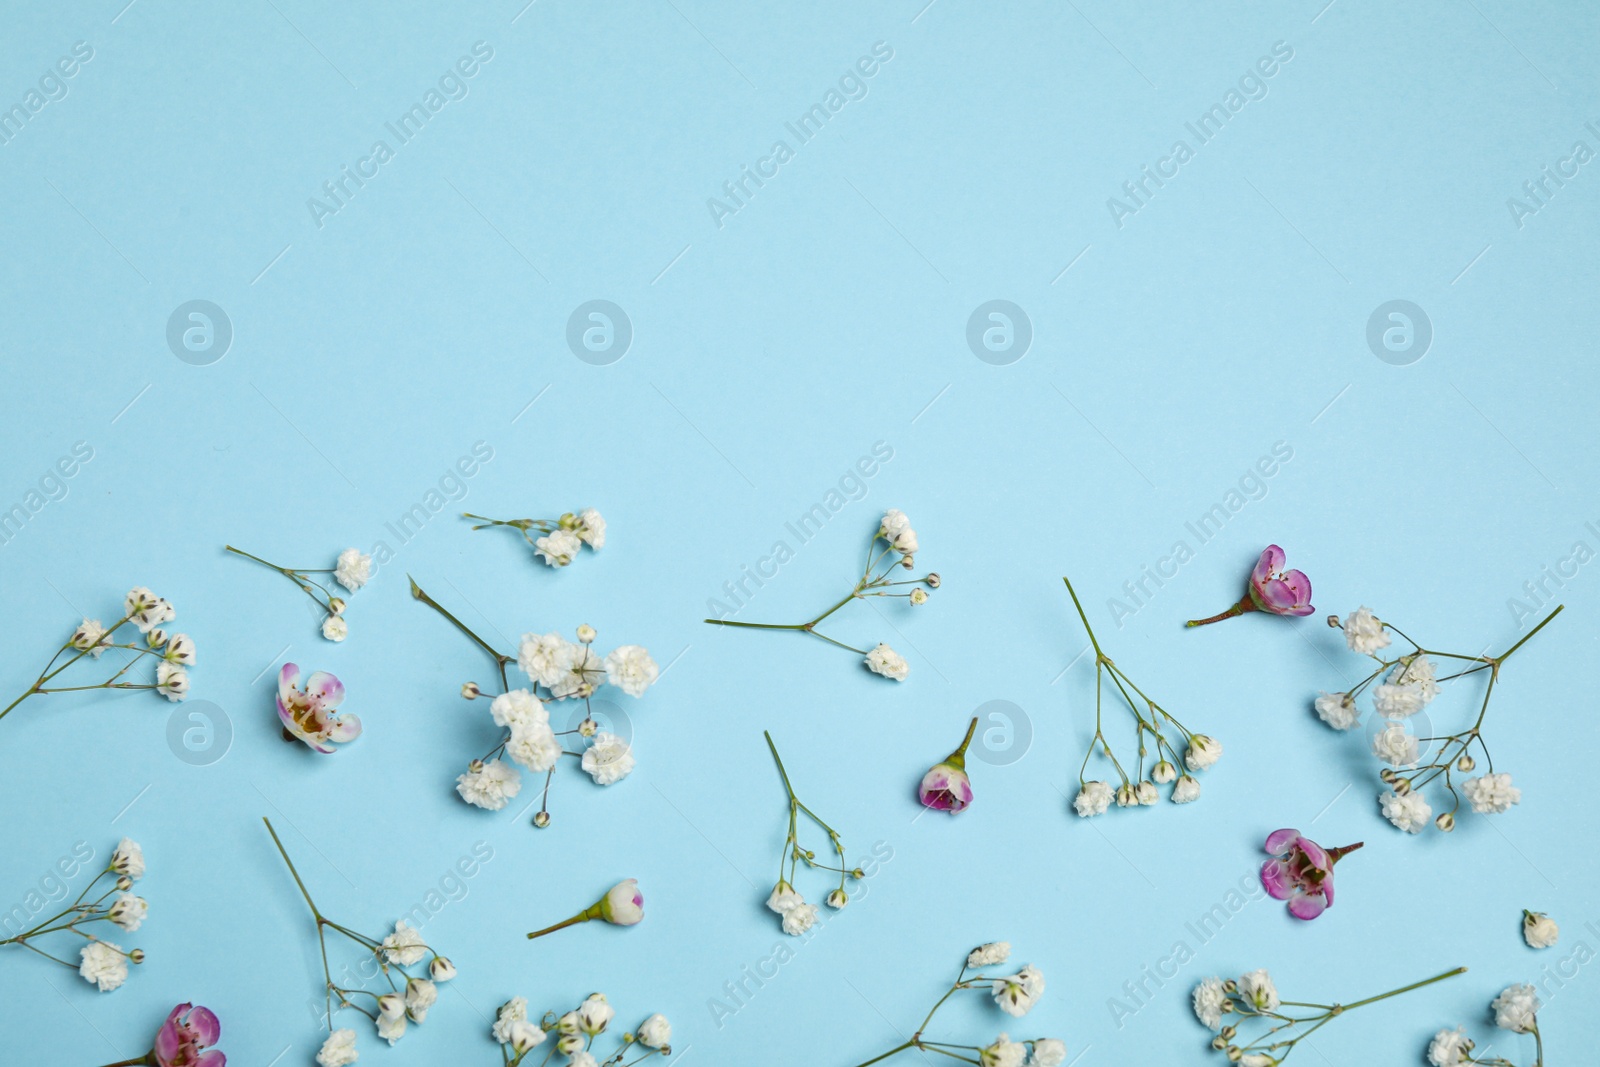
[(1271, 589), (307, 712), (946, 786), (184, 1038), (1301, 872)]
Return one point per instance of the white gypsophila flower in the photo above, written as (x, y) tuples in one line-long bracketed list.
[(837, 899), (146, 610), (339, 1050), (989, 955), (128, 858), (1410, 813), (567, 1026), (544, 657), (1515, 1008), (89, 637), (440, 969), (334, 628), (1363, 632), (180, 650), (172, 681), (1145, 793), (1257, 1059), (1048, 1052), (1398, 701), (1209, 998), (354, 569), (893, 524), (1187, 791), (887, 662), (1093, 799), (584, 674), (1003, 1053), (905, 542), (405, 946), (1395, 747), (583, 1058), (523, 1036), (519, 707), (392, 1027), (1203, 752), (490, 785), (1491, 794), (631, 669), (1127, 796), (421, 994), (128, 911), (1163, 772), (784, 898), (655, 1032), (534, 745), (1019, 993), (103, 965), (1258, 990), (1418, 670), (514, 1010), (1539, 930), (595, 1014), (608, 759), (1338, 710), (558, 547), (798, 919), (1449, 1048), (592, 528)]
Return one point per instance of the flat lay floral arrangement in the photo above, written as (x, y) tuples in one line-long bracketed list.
[(544, 703)]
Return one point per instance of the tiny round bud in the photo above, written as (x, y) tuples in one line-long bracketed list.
[(907, 562), (1230, 986), (1235, 1054), (542, 819), (470, 691), (1465, 763), (1333, 622), (1446, 821), (586, 634), (336, 605), (1402, 786), (919, 596), (1219, 1042), (137, 955), (810, 855), (568, 521), (858, 874), (124, 883), (475, 766), (1386, 775), (933, 579), (588, 728), (586, 690), (1228, 1033)]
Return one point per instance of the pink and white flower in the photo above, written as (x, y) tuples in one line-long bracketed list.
[(308, 713), (1301, 872)]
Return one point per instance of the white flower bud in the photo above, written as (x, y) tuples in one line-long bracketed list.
[(470, 691), (336, 605), (441, 969), (586, 634), (542, 819), (919, 596), (1164, 772)]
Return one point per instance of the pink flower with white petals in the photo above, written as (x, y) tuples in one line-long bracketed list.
[(1271, 589), (184, 1038), (307, 713), (1301, 873), (946, 786)]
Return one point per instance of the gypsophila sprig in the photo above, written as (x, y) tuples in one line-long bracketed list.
[(898, 543), (100, 963), (1013, 993), (1516, 1009), (396, 955), (184, 1040), (353, 569), (1402, 683), (558, 670), (1179, 754), (169, 656), (574, 1034), (795, 914), (1252, 1000), (557, 542)]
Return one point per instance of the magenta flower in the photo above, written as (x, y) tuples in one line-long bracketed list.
[(184, 1037), (307, 713), (1301, 872), (1271, 589), (946, 786)]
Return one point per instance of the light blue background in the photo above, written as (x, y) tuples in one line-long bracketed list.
[(828, 314)]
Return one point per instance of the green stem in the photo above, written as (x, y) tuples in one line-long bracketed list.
[(1245, 604), (1084, 617), (587, 915), (1337, 1008), (499, 658), (1502, 657), (892, 1052), (315, 914)]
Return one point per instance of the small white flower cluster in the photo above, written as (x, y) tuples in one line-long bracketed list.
[(102, 964), (353, 570), (1515, 1009), (796, 915), (1201, 753), (395, 1010), (1401, 686), (555, 541), (565, 670), (1539, 930), (574, 1033)]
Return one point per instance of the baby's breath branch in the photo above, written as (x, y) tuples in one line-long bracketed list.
[(500, 658), (297, 575), (51, 670)]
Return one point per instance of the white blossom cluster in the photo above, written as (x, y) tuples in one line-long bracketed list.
[(404, 1004), (1516, 1009), (573, 1034)]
